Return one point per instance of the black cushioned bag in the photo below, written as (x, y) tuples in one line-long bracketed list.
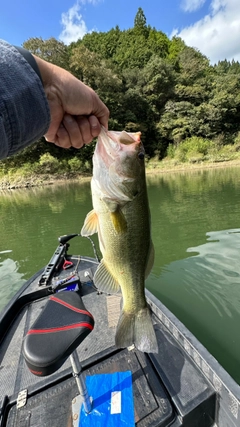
[(63, 324)]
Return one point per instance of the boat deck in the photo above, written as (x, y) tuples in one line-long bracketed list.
[(169, 388)]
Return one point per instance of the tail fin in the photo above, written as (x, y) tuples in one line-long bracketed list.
[(137, 329)]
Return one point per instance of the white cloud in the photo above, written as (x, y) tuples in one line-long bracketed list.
[(74, 26), (192, 5), (217, 35), (217, 5)]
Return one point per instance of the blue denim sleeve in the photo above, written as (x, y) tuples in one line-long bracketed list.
[(24, 110)]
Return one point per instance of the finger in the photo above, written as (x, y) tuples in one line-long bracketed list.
[(95, 126), (71, 125), (85, 129), (62, 138), (100, 110), (55, 122)]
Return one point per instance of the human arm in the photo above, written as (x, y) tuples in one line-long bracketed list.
[(24, 110)]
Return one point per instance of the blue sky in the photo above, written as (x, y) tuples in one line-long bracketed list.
[(213, 26)]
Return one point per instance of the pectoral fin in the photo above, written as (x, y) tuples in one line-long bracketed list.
[(150, 262), (90, 225), (104, 281), (117, 218), (119, 221)]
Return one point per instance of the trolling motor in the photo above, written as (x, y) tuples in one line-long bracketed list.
[(57, 260), (64, 239)]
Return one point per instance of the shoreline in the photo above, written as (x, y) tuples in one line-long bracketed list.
[(152, 168), (166, 167)]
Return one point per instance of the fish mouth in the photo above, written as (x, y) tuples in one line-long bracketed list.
[(111, 143), (118, 165), (125, 138)]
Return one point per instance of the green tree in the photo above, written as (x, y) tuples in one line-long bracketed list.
[(104, 44), (192, 66), (96, 73), (224, 67), (158, 43), (140, 23), (140, 19), (174, 125), (176, 46), (157, 82), (50, 50), (152, 84), (225, 98)]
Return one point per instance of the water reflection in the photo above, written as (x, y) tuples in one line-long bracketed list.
[(217, 265), (196, 273), (11, 280), (203, 290), (32, 219)]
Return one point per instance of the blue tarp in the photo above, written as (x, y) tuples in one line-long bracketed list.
[(112, 401)]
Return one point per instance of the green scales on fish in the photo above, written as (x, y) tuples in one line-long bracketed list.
[(121, 217)]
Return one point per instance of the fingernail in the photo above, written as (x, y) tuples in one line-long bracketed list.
[(68, 118), (94, 122)]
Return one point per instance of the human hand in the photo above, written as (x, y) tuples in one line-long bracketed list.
[(77, 112)]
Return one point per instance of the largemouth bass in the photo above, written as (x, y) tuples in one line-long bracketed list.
[(121, 217)]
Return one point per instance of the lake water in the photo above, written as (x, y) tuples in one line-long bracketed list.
[(196, 233)]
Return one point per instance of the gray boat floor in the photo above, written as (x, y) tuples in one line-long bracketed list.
[(50, 398), (168, 388)]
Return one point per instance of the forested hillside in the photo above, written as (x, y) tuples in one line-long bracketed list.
[(170, 92)]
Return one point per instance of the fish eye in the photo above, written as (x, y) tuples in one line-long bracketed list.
[(141, 155)]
